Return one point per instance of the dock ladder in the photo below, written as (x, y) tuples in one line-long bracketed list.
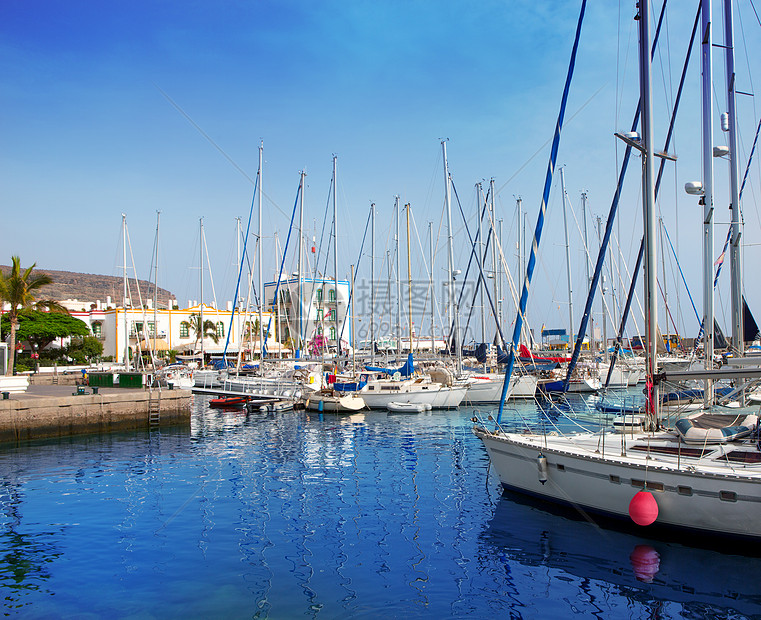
[(154, 408)]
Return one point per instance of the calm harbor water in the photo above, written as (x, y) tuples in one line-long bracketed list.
[(300, 515)]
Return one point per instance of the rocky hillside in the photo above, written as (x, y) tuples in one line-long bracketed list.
[(89, 287)]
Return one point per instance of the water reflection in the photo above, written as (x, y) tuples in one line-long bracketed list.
[(556, 544), (24, 557)]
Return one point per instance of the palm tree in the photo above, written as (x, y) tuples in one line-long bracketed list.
[(18, 289), (209, 329)]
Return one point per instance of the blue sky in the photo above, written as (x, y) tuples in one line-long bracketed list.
[(88, 134)]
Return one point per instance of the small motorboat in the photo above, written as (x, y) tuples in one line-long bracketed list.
[(228, 402), (277, 406), (397, 407)]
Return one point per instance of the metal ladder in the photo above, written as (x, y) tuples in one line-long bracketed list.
[(154, 408)]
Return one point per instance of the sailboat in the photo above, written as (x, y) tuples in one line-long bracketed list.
[(652, 477)]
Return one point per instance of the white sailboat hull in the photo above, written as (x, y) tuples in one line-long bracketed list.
[(335, 404), (439, 397), (489, 390), (695, 494)]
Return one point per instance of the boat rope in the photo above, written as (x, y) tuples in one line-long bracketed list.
[(280, 273), (472, 253), (351, 291), (608, 229), (640, 254), (240, 269), (540, 219)]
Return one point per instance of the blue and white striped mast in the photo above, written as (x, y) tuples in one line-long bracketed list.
[(540, 219)]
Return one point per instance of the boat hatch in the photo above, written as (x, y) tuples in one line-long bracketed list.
[(743, 456), (672, 450)]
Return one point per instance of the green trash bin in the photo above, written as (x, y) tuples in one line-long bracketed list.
[(131, 379), (101, 379)]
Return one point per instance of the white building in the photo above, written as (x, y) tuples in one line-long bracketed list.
[(165, 329), (322, 309)]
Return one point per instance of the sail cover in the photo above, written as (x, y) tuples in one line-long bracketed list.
[(750, 329)]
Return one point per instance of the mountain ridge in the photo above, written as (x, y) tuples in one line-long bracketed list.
[(89, 287)]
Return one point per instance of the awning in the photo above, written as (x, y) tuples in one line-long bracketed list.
[(155, 344)]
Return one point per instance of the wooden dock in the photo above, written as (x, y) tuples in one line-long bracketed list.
[(61, 410)]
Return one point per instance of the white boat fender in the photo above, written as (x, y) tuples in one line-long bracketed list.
[(543, 467)]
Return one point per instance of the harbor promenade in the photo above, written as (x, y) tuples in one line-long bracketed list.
[(60, 410)]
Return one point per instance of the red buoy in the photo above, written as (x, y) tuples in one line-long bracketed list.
[(646, 562), (643, 509)]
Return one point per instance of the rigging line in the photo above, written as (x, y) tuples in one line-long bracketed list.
[(541, 148), (240, 270), (356, 271), (755, 12), (211, 141), (480, 269), (540, 219), (609, 223), (211, 276), (275, 302)]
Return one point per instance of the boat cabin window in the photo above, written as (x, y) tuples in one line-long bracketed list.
[(615, 479), (728, 496), (684, 490)]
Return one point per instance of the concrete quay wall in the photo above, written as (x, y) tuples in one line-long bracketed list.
[(22, 419)]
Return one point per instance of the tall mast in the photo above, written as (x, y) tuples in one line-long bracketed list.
[(335, 250), (200, 237), (567, 253), (479, 201), (156, 287), (450, 259), (300, 266), (708, 307), (372, 284), (735, 248), (409, 277), (351, 338), (495, 266), (648, 200), (124, 303), (398, 283), (259, 261), (430, 289), (586, 264)]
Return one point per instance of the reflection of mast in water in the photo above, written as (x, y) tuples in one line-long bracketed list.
[(25, 557)]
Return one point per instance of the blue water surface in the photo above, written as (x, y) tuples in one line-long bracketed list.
[(295, 514)]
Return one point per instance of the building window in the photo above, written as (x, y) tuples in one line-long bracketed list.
[(220, 329), (152, 328), (184, 329), (319, 315), (319, 330), (332, 315), (332, 295), (319, 294), (332, 333), (137, 328), (97, 330)]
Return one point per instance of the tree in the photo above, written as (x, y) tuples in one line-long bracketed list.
[(41, 328), (18, 289), (209, 329), (85, 349)]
